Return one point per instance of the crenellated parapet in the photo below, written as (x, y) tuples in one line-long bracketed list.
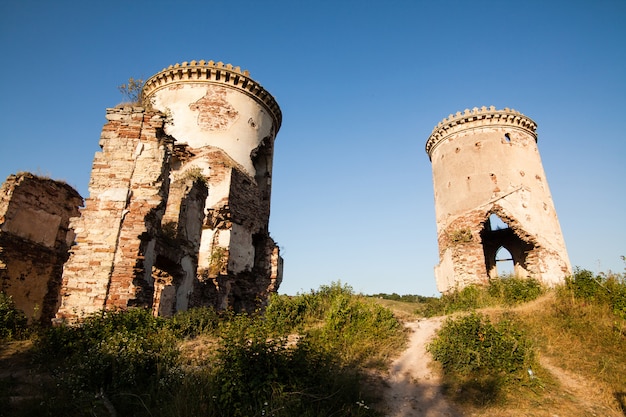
[(215, 73), (477, 118)]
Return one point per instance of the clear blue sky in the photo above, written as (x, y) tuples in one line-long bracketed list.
[(361, 85)]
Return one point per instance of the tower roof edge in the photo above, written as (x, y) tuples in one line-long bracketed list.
[(214, 73), (478, 117)]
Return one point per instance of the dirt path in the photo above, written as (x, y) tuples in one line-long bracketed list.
[(413, 390), (582, 396)]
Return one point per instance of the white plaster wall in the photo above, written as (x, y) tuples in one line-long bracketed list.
[(223, 239), (444, 272), (186, 287), (149, 261), (241, 135), (218, 192), (241, 250), (204, 254)]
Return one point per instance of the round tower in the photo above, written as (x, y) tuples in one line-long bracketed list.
[(492, 202), (224, 124), (213, 104)]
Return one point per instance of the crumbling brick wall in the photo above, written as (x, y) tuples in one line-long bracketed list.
[(243, 274), (178, 206), (34, 241), (140, 235), (122, 216)]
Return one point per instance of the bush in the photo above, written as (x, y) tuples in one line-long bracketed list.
[(472, 343), (507, 290), (286, 313), (257, 374), (111, 355), (360, 330), (132, 90), (468, 298), (13, 322), (514, 290), (128, 362), (477, 355), (609, 289), (194, 322)]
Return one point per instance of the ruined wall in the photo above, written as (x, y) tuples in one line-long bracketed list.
[(179, 199), (111, 265), (178, 207), (486, 162), (34, 241)]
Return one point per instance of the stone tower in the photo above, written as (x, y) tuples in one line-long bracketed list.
[(492, 198), (179, 200), (225, 124)]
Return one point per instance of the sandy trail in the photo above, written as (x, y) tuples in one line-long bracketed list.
[(413, 390)]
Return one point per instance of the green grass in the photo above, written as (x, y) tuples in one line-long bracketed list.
[(579, 327), (308, 355), (505, 291)]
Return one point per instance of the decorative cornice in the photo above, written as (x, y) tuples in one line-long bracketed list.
[(215, 73), (476, 118)]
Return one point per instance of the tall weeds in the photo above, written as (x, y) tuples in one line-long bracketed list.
[(305, 356)]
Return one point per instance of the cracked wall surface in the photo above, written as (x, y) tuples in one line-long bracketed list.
[(35, 238), (486, 162)]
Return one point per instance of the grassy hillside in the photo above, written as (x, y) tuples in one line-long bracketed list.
[(510, 349), (515, 349)]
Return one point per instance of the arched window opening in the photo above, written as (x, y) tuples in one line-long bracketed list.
[(505, 266), (496, 223)]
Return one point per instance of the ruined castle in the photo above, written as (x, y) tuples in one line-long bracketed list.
[(178, 208), (179, 203), (492, 198)]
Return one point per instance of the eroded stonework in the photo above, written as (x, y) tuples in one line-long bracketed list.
[(491, 197), (34, 241)]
